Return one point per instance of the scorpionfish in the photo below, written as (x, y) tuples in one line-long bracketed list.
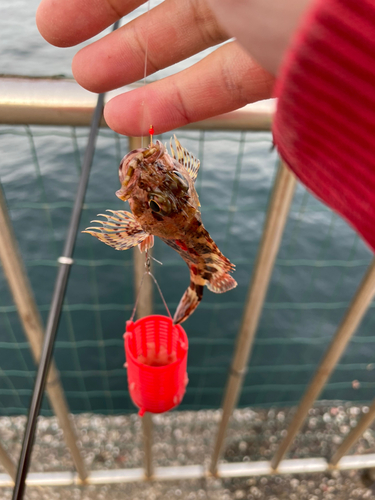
[(160, 190)]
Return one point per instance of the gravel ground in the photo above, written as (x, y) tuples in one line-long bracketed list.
[(184, 438)]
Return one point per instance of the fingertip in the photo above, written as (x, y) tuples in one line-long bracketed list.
[(90, 68), (70, 22), (59, 24), (44, 20), (133, 112), (129, 114), (81, 72), (116, 118)]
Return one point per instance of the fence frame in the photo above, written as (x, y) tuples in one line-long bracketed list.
[(63, 102)]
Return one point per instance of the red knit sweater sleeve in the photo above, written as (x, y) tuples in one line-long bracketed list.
[(324, 126)]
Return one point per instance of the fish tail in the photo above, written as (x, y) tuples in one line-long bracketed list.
[(188, 303)]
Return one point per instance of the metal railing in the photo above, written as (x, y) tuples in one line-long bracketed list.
[(54, 101), (62, 102)]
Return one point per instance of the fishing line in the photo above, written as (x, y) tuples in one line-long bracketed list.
[(151, 132), (145, 68), (148, 272)]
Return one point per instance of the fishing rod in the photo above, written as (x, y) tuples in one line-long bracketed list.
[(65, 261)]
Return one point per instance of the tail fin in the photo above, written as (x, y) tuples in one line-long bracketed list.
[(188, 303)]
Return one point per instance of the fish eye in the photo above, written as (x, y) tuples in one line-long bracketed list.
[(154, 206)]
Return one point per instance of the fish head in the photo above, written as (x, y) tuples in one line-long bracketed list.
[(155, 183)]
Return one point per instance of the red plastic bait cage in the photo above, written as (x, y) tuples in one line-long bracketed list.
[(156, 358)]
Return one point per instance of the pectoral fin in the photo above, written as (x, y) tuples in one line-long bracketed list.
[(120, 231), (221, 283), (147, 243)]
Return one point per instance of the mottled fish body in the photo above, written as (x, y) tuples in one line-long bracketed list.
[(160, 190)]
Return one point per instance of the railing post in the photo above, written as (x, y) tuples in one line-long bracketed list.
[(277, 214), (32, 326), (7, 463), (144, 308), (350, 323), (354, 434)]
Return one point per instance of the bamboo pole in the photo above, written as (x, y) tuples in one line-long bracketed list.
[(277, 214), (349, 324), (33, 328), (144, 308), (365, 422)]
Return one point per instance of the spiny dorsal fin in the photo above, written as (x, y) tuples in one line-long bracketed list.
[(186, 159)]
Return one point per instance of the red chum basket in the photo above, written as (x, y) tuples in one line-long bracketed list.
[(156, 359)]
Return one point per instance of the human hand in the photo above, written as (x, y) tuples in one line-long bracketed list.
[(225, 80)]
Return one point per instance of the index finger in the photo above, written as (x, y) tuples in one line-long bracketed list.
[(68, 22)]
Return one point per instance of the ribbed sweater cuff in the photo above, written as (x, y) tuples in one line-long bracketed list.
[(324, 126)]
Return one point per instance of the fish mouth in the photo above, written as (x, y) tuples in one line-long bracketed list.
[(131, 161), (123, 193)]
